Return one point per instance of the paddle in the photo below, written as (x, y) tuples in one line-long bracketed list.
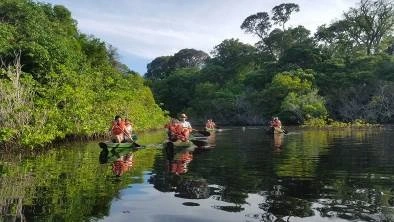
[(280, 130), (136, 144), (102, 145), (202, 132)]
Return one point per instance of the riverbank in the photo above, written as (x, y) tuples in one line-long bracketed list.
[(15, 146), (330, 123)]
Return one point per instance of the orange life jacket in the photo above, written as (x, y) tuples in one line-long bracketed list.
[(118, 129)]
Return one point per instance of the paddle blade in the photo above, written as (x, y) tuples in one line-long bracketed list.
[(200, 143), (103, 145), (203, 132)]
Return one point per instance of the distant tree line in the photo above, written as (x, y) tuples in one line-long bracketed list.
[(344, 71)]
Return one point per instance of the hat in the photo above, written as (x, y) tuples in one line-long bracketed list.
[(183, 115)]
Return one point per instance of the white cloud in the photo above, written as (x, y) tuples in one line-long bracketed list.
[(149, 29)]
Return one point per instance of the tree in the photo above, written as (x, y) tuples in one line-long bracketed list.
[(281, 13), (372, 21), (363, 28), (62, 82), (258, 24), (236, 57), (278, 41), (299, 82), (163, 66), (188, 58), (158, 69), (176, 91)]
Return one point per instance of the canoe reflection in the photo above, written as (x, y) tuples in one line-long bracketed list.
[(278, 141), (120, 159), (174, 179), (122, 164)]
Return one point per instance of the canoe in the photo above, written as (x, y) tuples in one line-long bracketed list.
[(110, 144), (186, 144), (275, 130), (204, 138), (111, 155), (182, 144)]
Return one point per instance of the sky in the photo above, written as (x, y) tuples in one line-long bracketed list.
[(142, 30)]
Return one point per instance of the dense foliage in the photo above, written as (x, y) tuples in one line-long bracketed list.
[(57, 82), (343, 72)]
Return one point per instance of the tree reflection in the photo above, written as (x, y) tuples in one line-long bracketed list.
[(279, 204), (358, 199), (324, 174), (63, 184)]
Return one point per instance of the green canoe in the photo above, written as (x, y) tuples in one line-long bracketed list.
[(109, 144)]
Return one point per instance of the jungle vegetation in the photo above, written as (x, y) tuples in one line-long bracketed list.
[(342, 72), (56, 82)]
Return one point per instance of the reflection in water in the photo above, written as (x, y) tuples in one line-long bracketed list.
[(279, 205), (278, 140), (178, 165), (212, 139), (319, 175), (123, 164), (121, 160), (172, 178)]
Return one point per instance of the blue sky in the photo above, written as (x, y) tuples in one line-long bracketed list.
[(142, 30)]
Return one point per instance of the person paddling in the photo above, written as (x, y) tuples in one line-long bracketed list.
[(276, 124), (128, 130), (174, 130), (186, 126), (210, 125), (117, 130)]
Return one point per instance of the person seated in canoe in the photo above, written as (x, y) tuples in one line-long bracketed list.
[(118, 130), (186, 127), (276, 125), (210, 125), (276, 122), (128, 126), (174, 130), (128, 130)]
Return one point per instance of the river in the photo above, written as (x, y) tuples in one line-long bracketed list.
[(245, 175)]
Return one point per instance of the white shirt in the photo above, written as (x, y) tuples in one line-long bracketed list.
[(186, 124)]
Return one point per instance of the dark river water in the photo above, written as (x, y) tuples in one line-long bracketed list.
[(246, 175)]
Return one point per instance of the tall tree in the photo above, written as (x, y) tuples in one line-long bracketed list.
[(235, 57), (258, 24), (363, 28), (158, 68), (188, 58), (370, 22), (281, 13)]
